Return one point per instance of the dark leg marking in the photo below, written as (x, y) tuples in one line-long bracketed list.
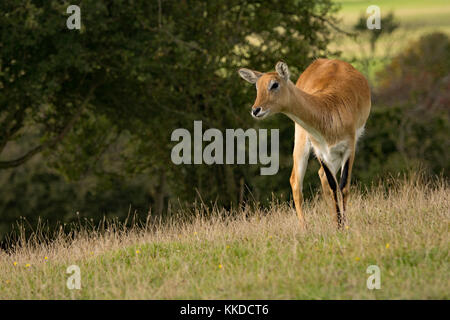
[(344, 176), (330, 178), (333, 186)]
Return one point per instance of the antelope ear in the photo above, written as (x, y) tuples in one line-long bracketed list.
[(249, 75), (283, 70)]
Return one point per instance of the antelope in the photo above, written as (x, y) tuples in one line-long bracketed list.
[(329, 104)]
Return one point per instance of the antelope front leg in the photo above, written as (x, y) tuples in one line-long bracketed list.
[(298, 198), (302, 149), (332, 194)]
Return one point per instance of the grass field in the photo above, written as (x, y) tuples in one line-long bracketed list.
[(402, 227)]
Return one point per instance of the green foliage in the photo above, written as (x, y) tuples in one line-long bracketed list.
[(400, 138), (419, 72), (410, 121), (51, 76)]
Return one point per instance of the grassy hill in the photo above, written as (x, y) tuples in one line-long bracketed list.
[(402, 227)]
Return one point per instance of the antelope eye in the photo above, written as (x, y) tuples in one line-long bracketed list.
[(274, 86)]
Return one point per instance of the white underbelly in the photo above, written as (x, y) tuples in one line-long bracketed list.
[(334, 156)]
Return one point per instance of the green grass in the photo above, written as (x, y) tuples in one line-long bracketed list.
[(254, 254)]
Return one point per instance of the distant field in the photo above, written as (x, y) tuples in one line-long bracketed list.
[(413, 14), (416, 19), (402, 227)]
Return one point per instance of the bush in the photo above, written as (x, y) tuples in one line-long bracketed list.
[(410, 118)]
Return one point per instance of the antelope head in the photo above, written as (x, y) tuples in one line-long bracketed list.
[(272, 90)]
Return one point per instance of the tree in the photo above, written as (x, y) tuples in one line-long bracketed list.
[(54, 79), (369, 60), (388, 25)]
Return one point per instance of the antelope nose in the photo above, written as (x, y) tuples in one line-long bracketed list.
[(256, 111)]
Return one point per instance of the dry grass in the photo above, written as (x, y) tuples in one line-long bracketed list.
[(401, 226)]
